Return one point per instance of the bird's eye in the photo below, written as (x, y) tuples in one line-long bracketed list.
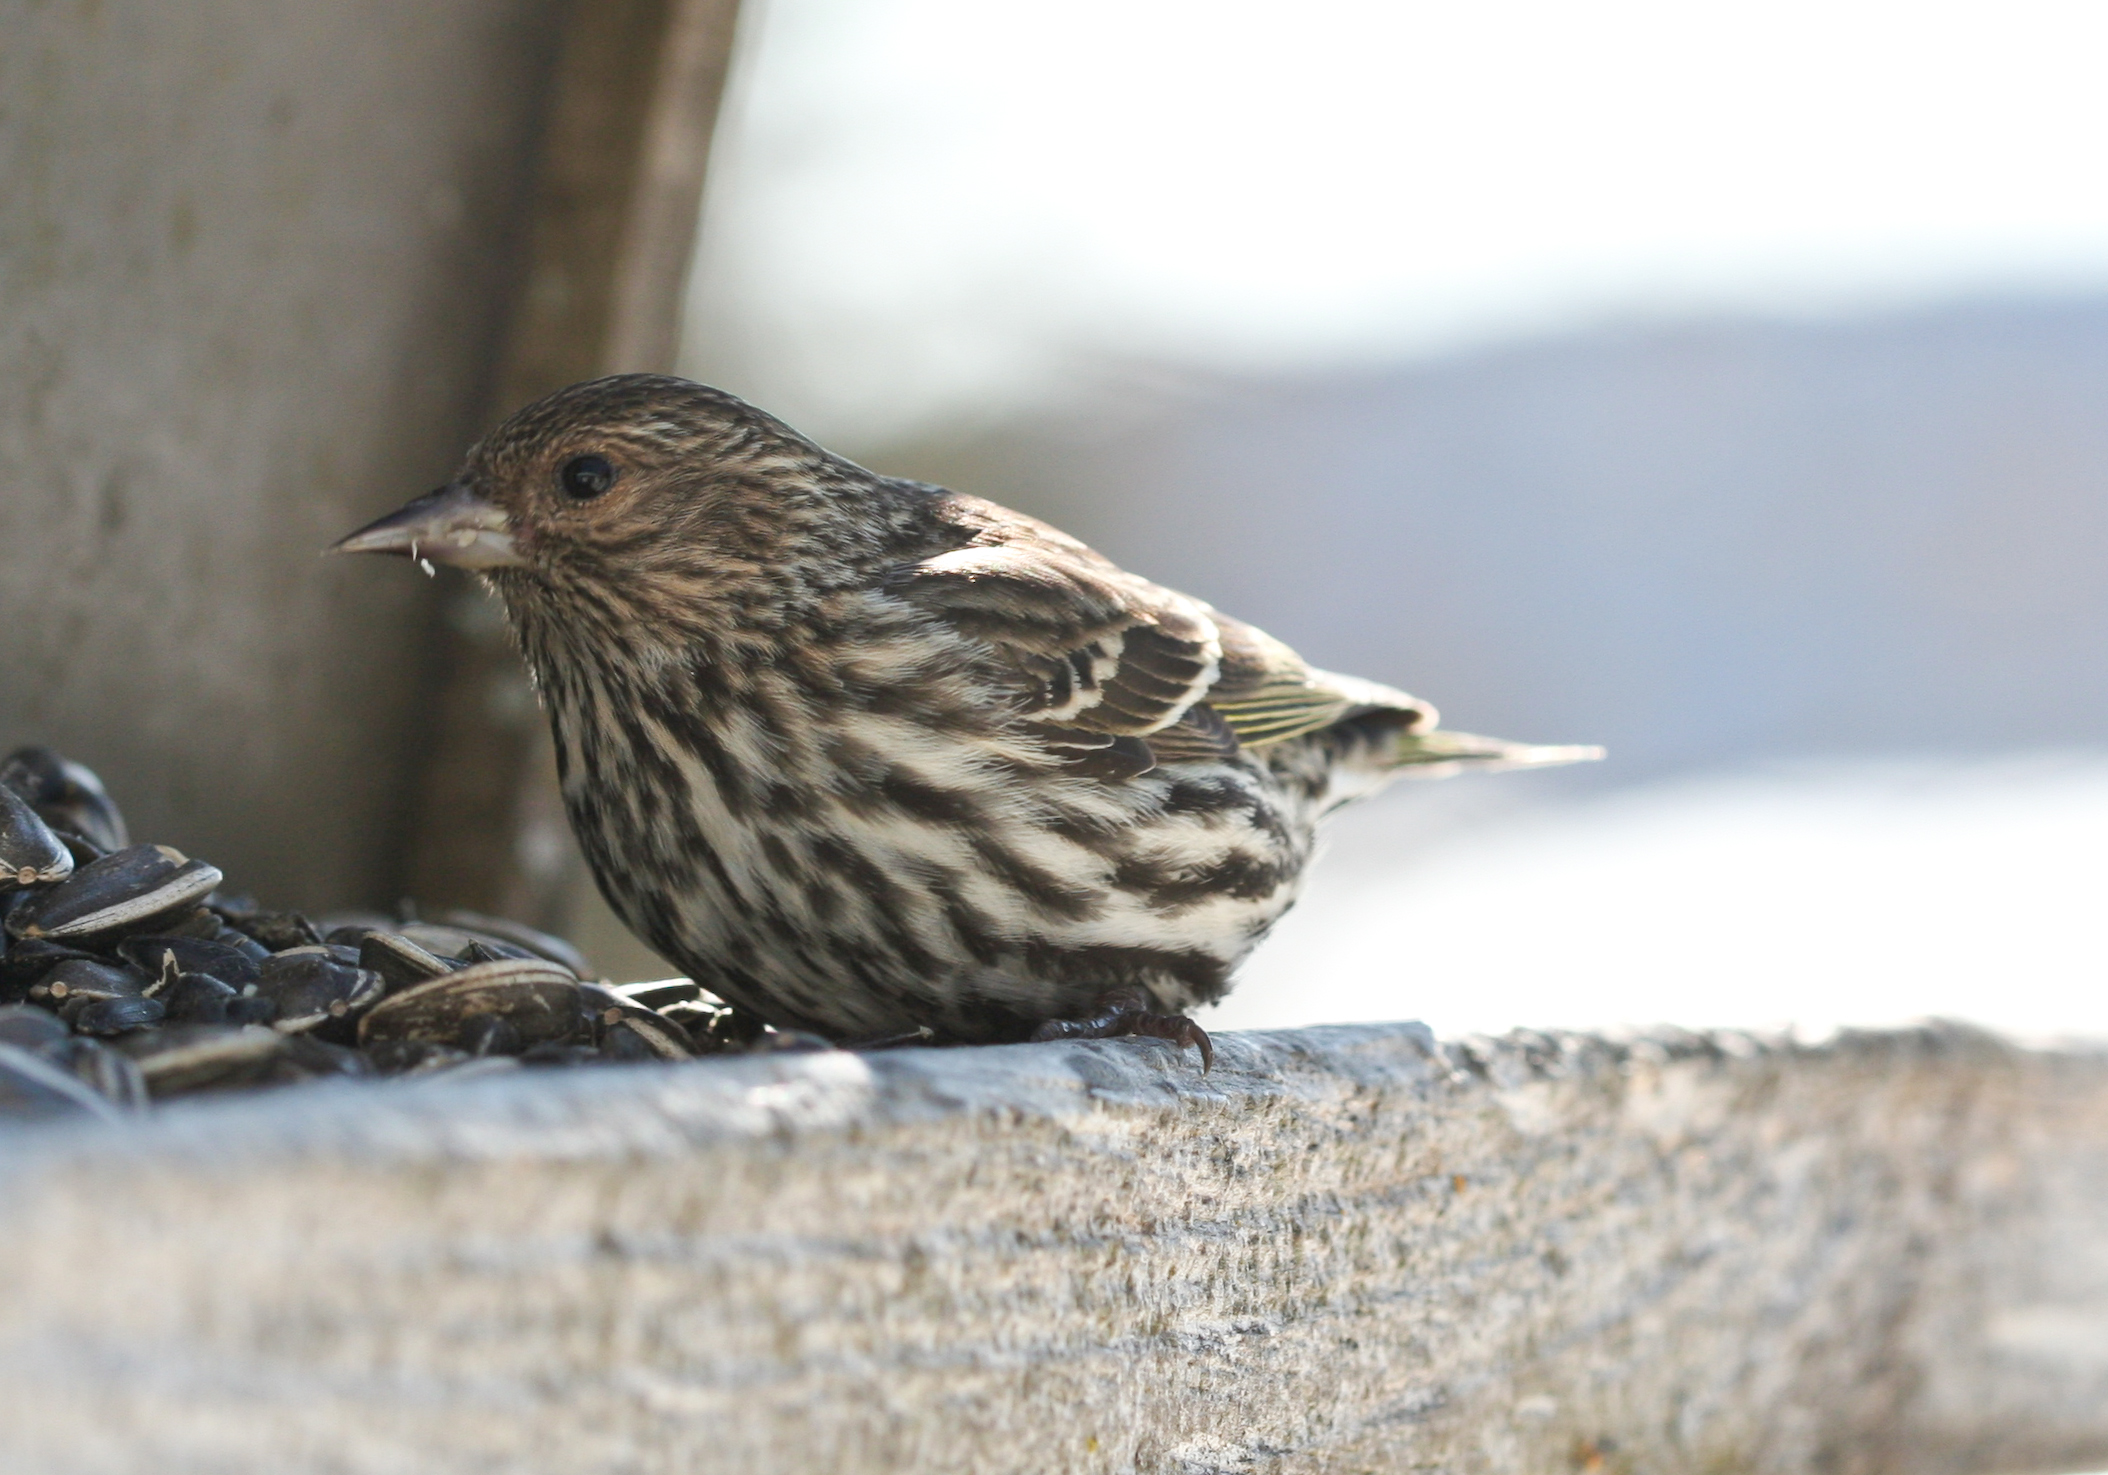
[(586, 477)]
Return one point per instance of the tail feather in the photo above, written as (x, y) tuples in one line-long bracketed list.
[(1403, 741), (1439, 753)]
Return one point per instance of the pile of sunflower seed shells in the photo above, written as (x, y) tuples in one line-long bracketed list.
[(127, 976)]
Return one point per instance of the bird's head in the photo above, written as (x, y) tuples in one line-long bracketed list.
[(643, 497)]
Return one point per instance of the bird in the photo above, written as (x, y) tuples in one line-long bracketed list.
[(872, 759)]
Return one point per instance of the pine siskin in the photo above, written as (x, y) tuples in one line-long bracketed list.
[(866, 756)]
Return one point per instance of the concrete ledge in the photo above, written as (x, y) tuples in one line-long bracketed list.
[(1347, 1249)]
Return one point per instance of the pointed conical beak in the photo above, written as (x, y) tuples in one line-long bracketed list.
[(452, 525)]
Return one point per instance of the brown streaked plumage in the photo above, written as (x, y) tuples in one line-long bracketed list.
[(864, 755)]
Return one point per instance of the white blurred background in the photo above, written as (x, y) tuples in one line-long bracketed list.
[(1726, 384)]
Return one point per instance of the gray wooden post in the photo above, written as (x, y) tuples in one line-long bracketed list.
[(613, 230), (255, 259)]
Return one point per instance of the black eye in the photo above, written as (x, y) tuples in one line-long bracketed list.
[(586, 477)]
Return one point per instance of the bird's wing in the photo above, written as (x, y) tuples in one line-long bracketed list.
[(1269, 694), (1101, 653), (1094, 647)]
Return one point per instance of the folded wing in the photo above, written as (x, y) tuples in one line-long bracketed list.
[(1104, 658)]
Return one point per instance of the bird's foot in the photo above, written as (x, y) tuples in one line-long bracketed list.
[(1126, 1011), (730, 1030)]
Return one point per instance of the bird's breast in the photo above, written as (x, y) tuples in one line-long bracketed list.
[(883, 828)]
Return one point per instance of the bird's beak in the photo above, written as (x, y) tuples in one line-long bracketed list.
[(452, 525)]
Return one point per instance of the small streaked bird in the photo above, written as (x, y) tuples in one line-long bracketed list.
[(866, 756)]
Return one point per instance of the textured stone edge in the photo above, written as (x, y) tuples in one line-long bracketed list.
[(854, 1178), (645, 1109)]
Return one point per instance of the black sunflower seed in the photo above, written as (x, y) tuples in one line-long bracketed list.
[(30, 854), (312, 986), (87, 978), (66, 796), (198, 998), (115, 1016), (123, 893), (153, 956), (402, 962), (539, 999)]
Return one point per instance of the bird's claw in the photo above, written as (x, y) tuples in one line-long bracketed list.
[(1126, 1011)]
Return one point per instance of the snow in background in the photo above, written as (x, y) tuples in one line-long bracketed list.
[(1863, 895)]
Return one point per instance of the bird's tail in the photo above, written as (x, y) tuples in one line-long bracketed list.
[(1379, 733), (1438, 753)]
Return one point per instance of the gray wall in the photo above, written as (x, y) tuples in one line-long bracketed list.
[(253, 255)]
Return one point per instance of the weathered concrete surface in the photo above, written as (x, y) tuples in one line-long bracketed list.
[(254, 261), (1347, 1249)]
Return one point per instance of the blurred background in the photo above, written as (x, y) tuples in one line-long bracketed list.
[(1723, 384)]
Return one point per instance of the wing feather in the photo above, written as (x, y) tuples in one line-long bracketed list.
[(1269, 694), (1201, 736), (1094, 647), (1099, 654)]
